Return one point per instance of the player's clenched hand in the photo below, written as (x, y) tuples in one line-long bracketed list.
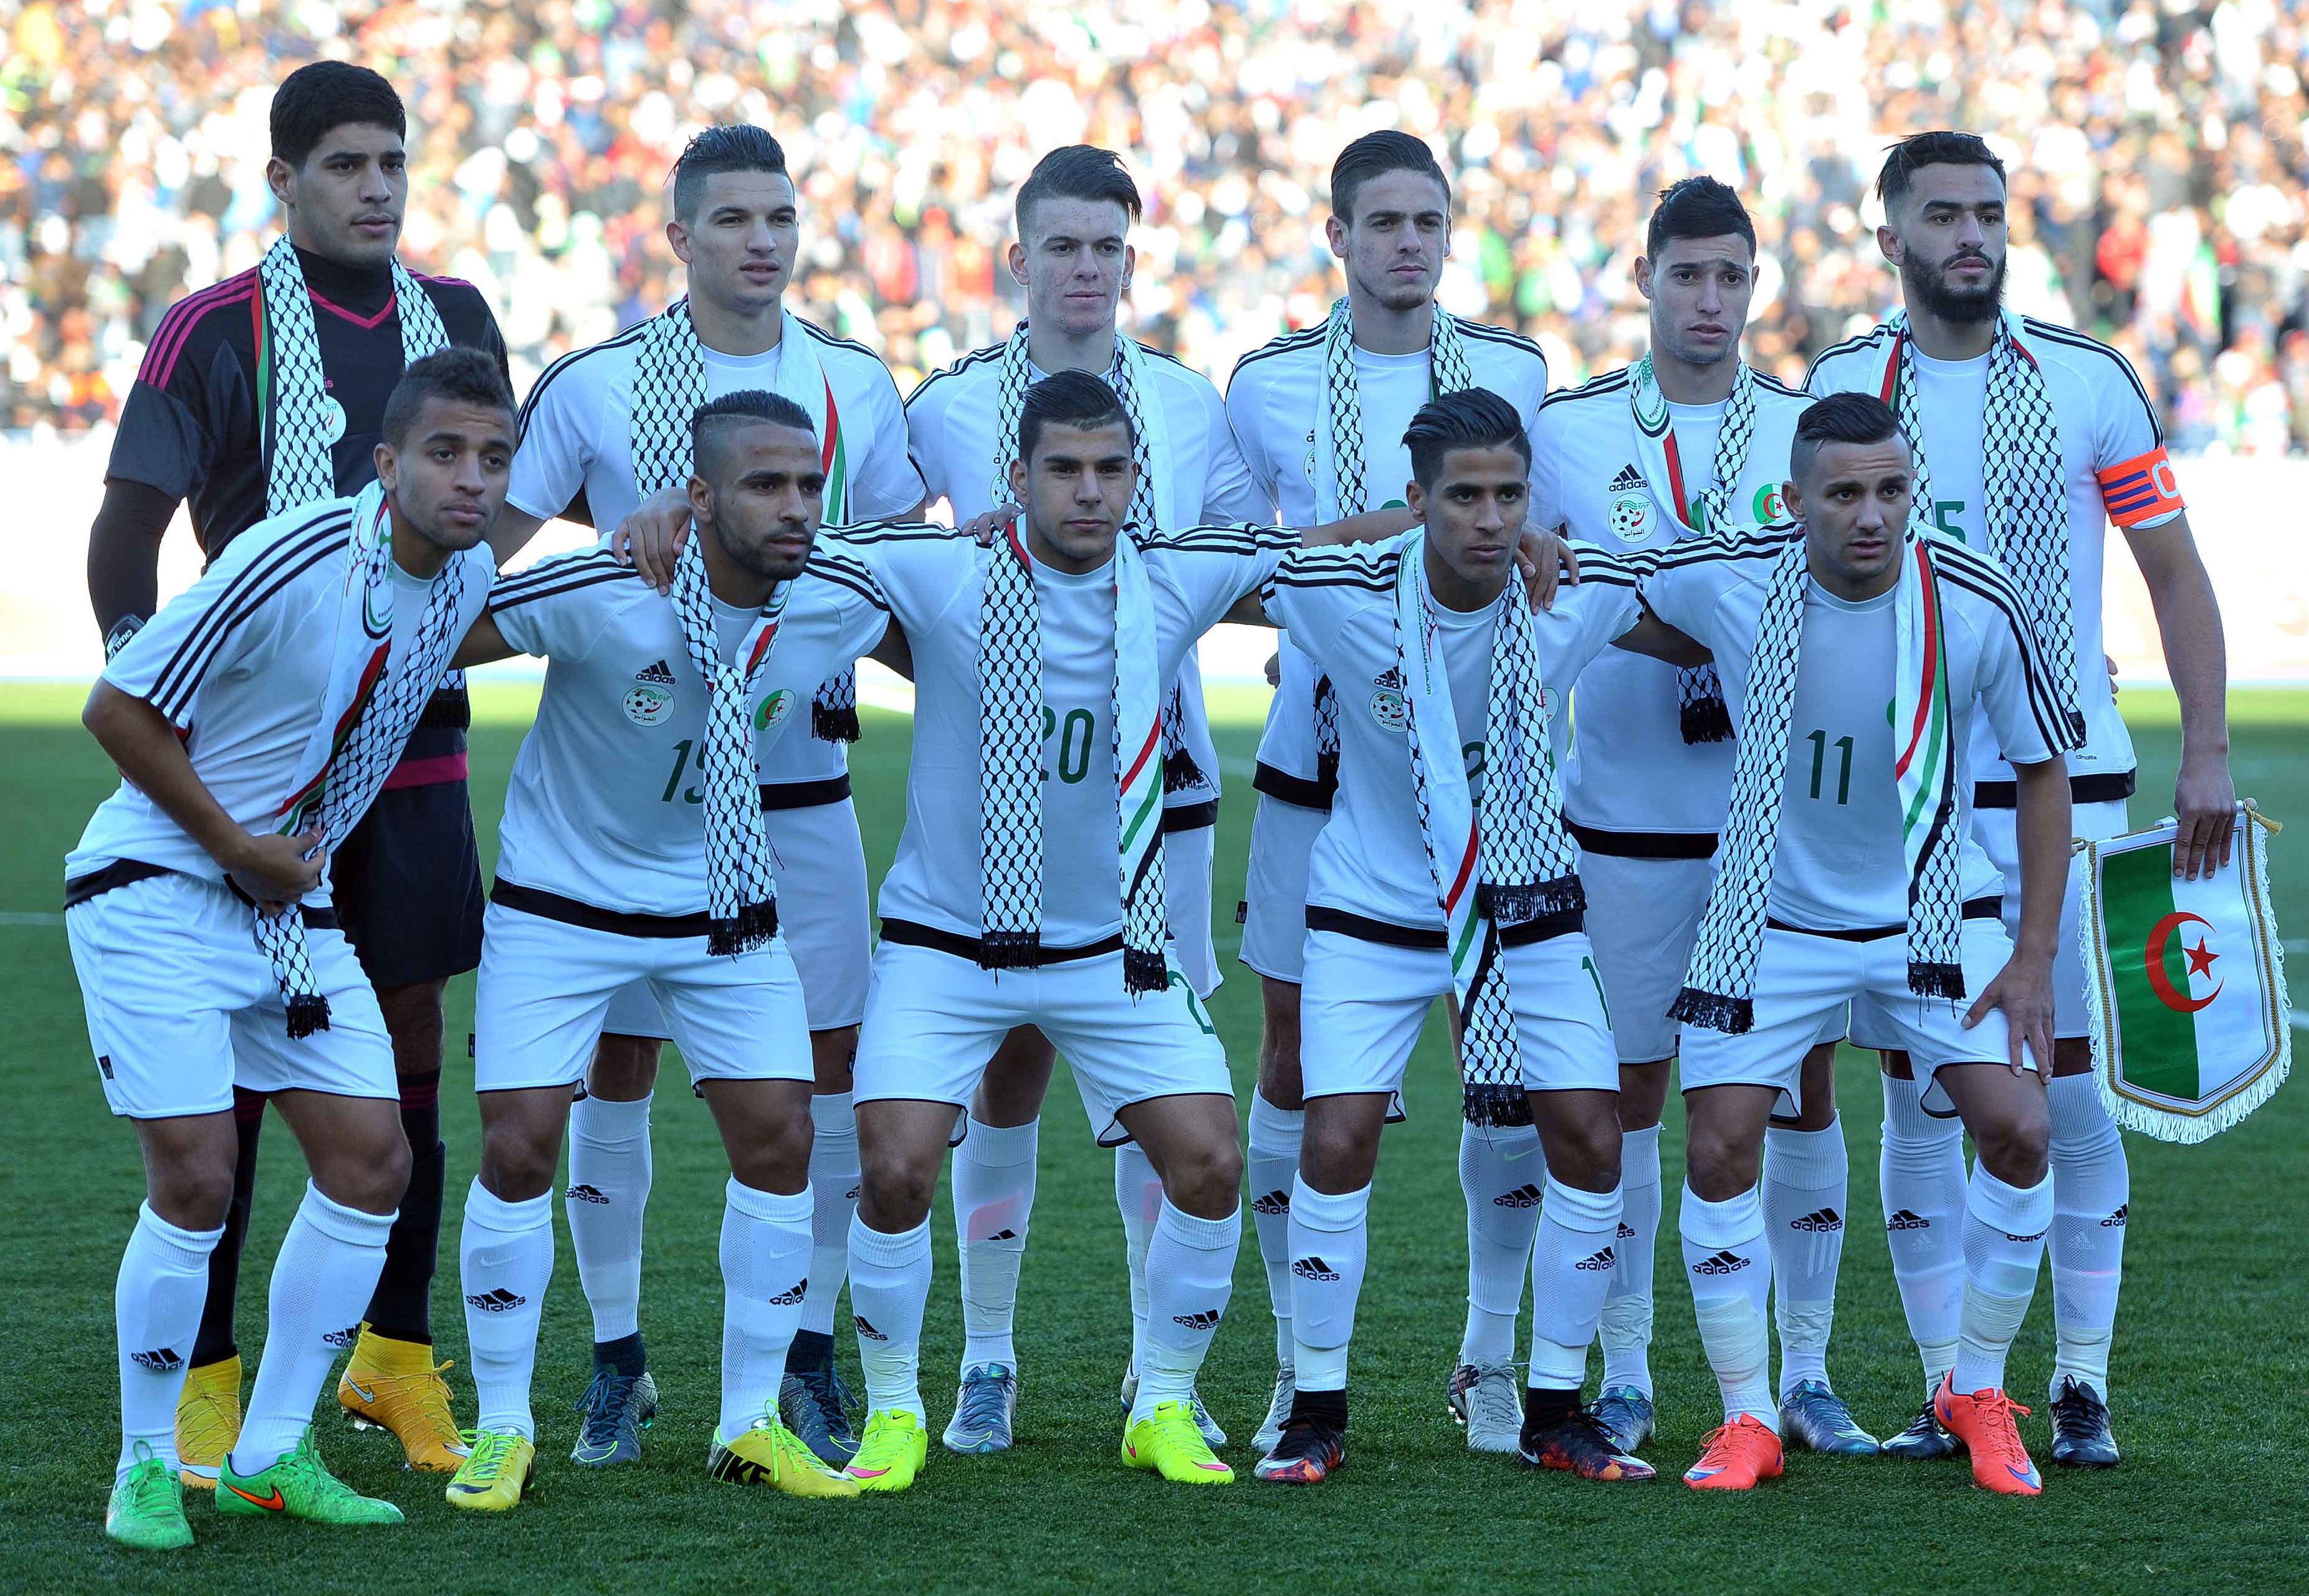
[(1542, 557), (649, 538), (983, 527), (273, 869), (1275, 671), (2023, 989), (2204, 801)]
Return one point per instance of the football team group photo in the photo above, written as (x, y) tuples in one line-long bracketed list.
[(1663, 848)]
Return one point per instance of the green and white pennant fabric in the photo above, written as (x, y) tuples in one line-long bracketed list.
[(2184, 982)]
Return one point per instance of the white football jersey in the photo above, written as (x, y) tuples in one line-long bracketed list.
[(2112, 465), (577, 460), (930, 581), (1370, 859), (1273, 399), (606, 805), (951, 421), (239, 663), (1839, 865), (1630, 770)]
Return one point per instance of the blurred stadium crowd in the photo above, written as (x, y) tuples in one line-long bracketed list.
[(2160, 151)]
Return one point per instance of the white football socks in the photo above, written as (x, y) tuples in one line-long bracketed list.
[(2092, 1188), (889, 1286), (1138, 1198), (1329, 1246), (1806, 1176), (322, 1282), (1729, 1266), (1271, 1163), (1921, 1175), (1502, 1175), (504, 1262), (1626, 1326), (2004, 1231), (833, 1180), (1572, 1260), (1189, 1279), (765, 1260), (993, 1198), (610, 1171), (155, 1313)]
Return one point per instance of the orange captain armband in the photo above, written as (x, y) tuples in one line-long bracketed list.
[(2141, 489)]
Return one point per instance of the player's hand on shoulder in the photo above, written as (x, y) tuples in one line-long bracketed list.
[(1546, 562), (652, 535), (981, 528), (273, 869), (2023, 989)]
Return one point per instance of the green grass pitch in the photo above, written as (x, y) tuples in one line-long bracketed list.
[(2209, 1359)]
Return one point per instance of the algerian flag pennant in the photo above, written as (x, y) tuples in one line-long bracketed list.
[(2192, 1029)]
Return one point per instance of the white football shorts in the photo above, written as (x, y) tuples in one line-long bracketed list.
[(546, 985), (1274, 891), (182, 1004), (821, 874), (934, 1018), (1642, 916), (1186, 859), (1364, 1003), (1802, 979)]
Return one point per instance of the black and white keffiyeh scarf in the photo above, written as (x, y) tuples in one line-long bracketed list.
[(668, 387), (2020, 470), (1010, 765), (1719, 987), (1496, 864), (1699, 690), (372, 703)]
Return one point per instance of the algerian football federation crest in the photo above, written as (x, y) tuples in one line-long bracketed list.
[(1633, 514), (650, 700), (2184, 982), (773, 711), (1771, 504), (1387, 702)]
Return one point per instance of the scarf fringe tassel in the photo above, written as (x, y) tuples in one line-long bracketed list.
[(1010, 950), (756, 925), (1144, 971), (1936, 980), (1509, 904), (1734, 1017), (1707, 719), (1488, 1103), (828, 724), (1180, 774), (308, 1011)]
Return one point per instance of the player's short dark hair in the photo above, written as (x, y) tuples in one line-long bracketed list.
[(459, 373), (1077, 172), (1069, 399), (1470, 418), (1839, 418), (1374, 155), (1698, 207), (732, 147), (712, 422), (1906, 159), (328, 94)]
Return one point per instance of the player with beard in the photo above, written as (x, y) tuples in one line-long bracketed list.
[(1688, 442), (2030, 440), (1320, 415), (261, 394)]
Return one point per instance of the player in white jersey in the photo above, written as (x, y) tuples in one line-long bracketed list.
[(1073, 259), (1860, 660), (734, 227), (2008, 411), (1445, 869), (668, 882), (254, 721), (1688, 441), (1320, 415)]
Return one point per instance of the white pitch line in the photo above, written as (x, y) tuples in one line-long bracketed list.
[(29, 917)]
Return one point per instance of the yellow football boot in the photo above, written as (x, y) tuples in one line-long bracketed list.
[(208, 1422), (1171, 1443), (769, 1453), (492, 1479), (395, 1386), (892, 1452)]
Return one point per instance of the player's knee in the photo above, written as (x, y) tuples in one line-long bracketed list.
[(1336, 1155), (1643, 1095), (1585, 1154), (1719, 1165), (516, 1163), (775, 1157), (1280, 1080), (369, 1171), (625, 1067), (193, 1192), (2016, 1146), (1206, 1180), (894, 1191)]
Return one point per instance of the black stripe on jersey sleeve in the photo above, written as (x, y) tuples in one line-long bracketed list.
[(1596, 387), (190, 671), (1484, 332), (328, 529), (1765, 543), (1245, 537), (1284, 345), (1864, 341), (891, 531), (1994, 588), (992, 351), (2079, 341), (558, 569), (850, 575), (1774, 385), (546, 379), (836, 341), (501, 601)]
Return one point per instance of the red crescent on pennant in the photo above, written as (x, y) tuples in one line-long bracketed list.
[(2153, 962)]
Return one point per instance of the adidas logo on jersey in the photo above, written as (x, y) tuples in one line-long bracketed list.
[(499, 1301), (1390, 678), (2115, 1222), (341, 1338), (789, 1298), (1905, 1221), (1277, 1201), (1817, 1220), (1628, 481), (1203, 1321), (1723, 1262), (1313, 1269), (1603, 1260), (584, 1194), (161, 1361), (866, 1330), (659, 675), (1523, 1196)]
